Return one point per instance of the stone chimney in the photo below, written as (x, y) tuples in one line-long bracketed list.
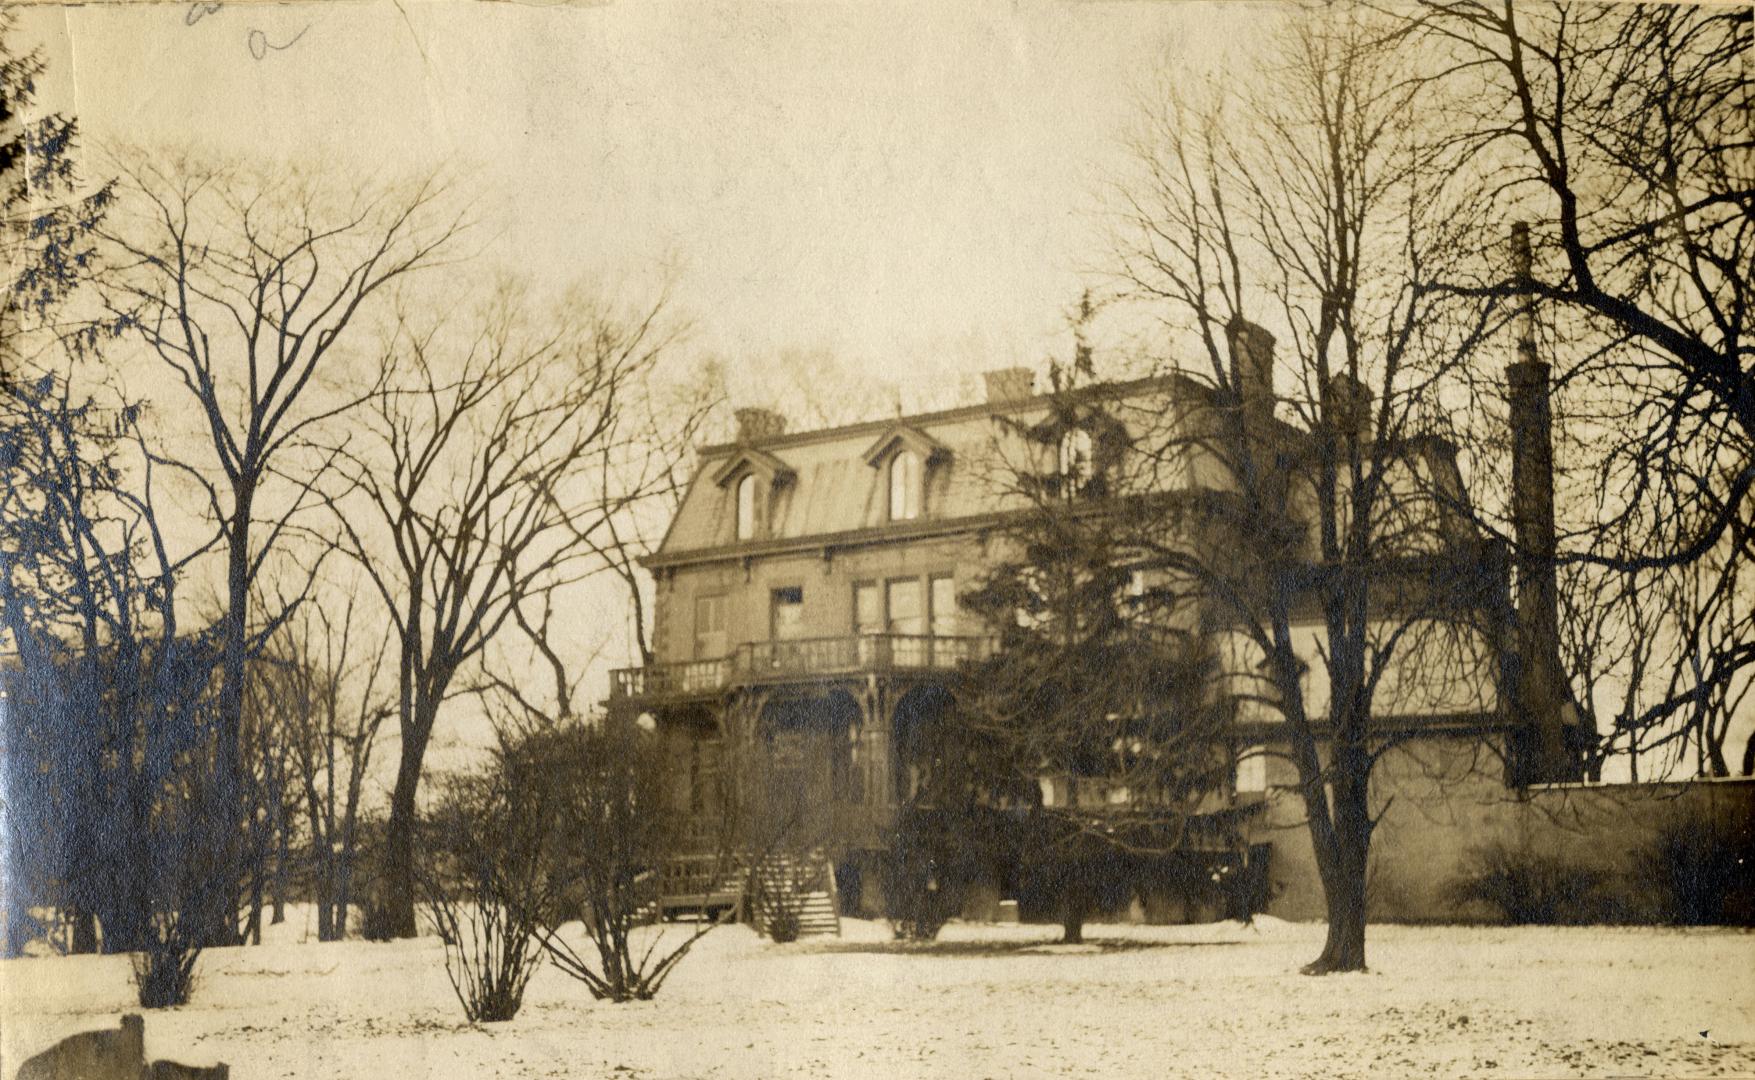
[(1346, 405), (1540, 683), (1009, 384), (754, 425), (1252, 362)]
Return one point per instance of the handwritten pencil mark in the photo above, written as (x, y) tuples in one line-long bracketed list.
[(260, 46)]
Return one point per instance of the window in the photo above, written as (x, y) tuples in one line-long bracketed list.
[(1252, 769), (868, 608), (905, 486), (943, 596), (1075, 460), (710, 640), (907, 614), (788, 613), (746, 507)]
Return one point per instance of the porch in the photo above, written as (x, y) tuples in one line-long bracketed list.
[(767, 662)]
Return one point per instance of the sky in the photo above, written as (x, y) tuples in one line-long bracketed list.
[(911, 189), (908, 190)]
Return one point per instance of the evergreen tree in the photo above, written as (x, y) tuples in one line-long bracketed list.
[(47, 225), (1091, 723)]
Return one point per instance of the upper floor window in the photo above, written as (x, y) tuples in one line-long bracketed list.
[(746, 507), (868, 608), (907, 606), (710, 638), (786, 606), (1075, 460), (905, 486), (942, 600)]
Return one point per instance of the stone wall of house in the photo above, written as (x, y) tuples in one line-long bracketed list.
[(1447, 801)]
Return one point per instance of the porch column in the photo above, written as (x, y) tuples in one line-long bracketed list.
[(875, 754)]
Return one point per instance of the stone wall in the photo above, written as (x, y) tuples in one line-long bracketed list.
[(1446, 798)]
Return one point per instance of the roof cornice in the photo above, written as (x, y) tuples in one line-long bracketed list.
[(873, 428), (876, 534)]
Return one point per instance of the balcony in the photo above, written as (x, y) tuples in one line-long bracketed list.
[(803, 658)]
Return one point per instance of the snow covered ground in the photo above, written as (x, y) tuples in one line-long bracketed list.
[(985, 1001)]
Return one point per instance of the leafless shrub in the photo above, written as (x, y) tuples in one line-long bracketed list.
[(611, 832), (483, 884), (1533, 888), (164, 970)]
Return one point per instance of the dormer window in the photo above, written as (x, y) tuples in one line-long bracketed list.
[(746, 507), (751, 479), (904, 486), (902, 457)]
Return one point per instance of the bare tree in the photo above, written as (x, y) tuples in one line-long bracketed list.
[(1622, 133), (490, 475), (1610, 645), (272, 692), (485, 881), (248, 289), (614, 829), (318, 688), (665, 420), (1313, 533), (351, 711)]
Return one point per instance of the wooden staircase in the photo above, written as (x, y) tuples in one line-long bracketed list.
[(791, 895), (779, 890)]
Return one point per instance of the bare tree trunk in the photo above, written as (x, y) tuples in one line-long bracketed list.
[(282, 853), (17, 915), (1344, 947), (343, 891), (84, 925), (1072, 919), (1342, 854), (253, 928), (219, 902), (399, 881), (326, 897)]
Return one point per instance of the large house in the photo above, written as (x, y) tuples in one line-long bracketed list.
[(807, 610)]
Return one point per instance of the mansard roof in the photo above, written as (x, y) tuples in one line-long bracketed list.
[(828, 490), (836, 493)]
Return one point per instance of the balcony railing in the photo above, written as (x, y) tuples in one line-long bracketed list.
[(803, 657)]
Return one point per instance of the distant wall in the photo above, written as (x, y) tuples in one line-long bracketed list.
[(1446, 797)]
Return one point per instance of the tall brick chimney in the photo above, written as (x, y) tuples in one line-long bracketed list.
[(755, 424), (1346, 404), (1540, 684), (1009, 384), (1252, 359)]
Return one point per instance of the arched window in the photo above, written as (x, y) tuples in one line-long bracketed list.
[(905, 486), (1075, 460), (746, 507)]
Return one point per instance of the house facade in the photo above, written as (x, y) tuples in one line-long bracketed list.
[(807, 623)]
